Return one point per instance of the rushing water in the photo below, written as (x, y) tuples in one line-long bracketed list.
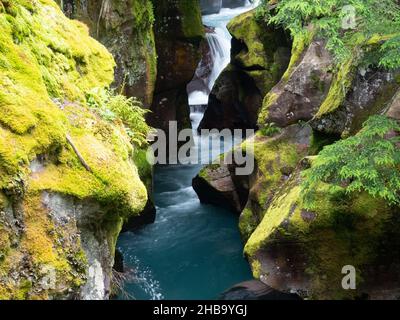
[(192, 251), (219, 42)]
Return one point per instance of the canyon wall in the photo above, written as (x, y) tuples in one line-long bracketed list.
[(68, 178)]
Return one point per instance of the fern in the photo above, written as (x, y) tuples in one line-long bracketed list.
[(372, 18), (112, 107), (369, 161)]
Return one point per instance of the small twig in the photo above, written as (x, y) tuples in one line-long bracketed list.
[(83, 162)]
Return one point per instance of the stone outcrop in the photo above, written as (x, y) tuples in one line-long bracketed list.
[(371, 91), (259, 57), (125, 27), (300, 96), (292, 247), (179, 32), (210, 6), (295, 249), (214, 185), (68, 180)]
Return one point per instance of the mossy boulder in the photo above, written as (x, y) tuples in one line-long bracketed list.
[(295, 249), (68, 178), (371, 90), (259, 57), (275, 158), (126, 29), (214, 185), (336, 100), (259, 49), (302, 90)]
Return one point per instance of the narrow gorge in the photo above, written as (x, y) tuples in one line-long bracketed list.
[(88, 88)]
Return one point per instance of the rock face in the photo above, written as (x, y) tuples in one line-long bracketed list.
[(179, 32), (214, 185), (68, 180), (125, 27), (371, 91), (304, 251), (292, 247), (233, 3), (210, 6), (300, 97), (260, 56)]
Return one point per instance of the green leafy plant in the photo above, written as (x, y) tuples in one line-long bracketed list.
[(378, 19), (270, 129), (369, 161), (112, 106)]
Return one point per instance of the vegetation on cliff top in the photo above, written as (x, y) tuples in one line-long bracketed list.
[(338, 21)]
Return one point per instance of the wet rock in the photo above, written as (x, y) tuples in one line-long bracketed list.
[(147, 216), (210, 6), (214, 185), (259, 57), (118, 261), (233, 102), (179, 33), (255, 290)]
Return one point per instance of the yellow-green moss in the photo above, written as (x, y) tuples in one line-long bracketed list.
[(47, 65), (341, 83), (300, 43), (342, 229), (192, 25)]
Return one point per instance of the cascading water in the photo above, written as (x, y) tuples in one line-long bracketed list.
[(192, 251), (219, 42)]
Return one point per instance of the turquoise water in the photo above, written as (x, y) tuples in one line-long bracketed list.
[(192, 251)]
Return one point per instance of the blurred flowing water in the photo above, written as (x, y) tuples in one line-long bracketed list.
[(192, 251)]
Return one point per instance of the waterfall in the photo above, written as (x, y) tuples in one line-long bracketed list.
[(219, 43), (220, 48)]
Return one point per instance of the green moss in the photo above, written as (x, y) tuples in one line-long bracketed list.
[(48, 63), (341, 83), (192, 24), (300, 43), (277, 212), (247, 223), (271, 156), (342, 229)]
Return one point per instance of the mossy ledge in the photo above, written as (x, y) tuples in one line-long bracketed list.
[(56, 216)]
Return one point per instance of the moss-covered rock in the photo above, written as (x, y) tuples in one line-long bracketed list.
[(276, 158), (259, 57), (53, 147), (126, 29), (295, 249), (301, 91), (369, 91), (179, 31)]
